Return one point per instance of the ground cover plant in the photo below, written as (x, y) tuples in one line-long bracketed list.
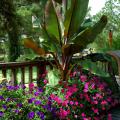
[(20, 103), (83, 97)]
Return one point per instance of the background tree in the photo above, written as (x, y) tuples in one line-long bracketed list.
[(102, 43), (11, 26), (16, 20)]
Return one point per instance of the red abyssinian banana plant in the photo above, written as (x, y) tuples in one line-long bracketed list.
[(62, 33)]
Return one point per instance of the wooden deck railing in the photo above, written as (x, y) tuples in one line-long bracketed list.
[(40, 66), (14, 66)]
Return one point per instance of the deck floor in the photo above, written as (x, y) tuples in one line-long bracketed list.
[(116, 113)]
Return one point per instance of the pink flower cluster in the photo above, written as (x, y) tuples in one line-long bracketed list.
[(85, 99)]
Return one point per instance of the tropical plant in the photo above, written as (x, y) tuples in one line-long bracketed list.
[(63, 34)]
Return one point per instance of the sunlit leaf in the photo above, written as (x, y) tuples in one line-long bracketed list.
[(50, 43), (90, 34), (51, 21), (75, 16), (84, 38), (29, 43)]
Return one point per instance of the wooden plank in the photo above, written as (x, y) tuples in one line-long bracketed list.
[(14, 76), (115, 113), (4, 73), (30, 74), (22, 75)]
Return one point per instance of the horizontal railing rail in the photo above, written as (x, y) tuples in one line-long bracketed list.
[(40, 66), (14, 66)]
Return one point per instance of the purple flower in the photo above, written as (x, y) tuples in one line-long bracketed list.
[(36, 93), (31, 100), (16, 87), (49, 98), (10, 88), (16, 111), (1, 114), (0, 86), (37, 102), (19, 105), (48, 107), (4, 106), (40, 89), (41, 115), (1, 97), (23, 86), (8, 99), (31, 115)]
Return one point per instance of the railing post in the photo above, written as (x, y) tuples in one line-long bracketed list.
[(14, 76), (41, 68), (4, 73), (30, 74), (22, 75)]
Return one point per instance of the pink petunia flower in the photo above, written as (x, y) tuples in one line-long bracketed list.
[(76, 103), (83, 78), (68, 94), (95, 102), (81, 96), (45, 81), (104, 102), (83, 115), (95, 110), (86, 87), (65, 103), (31, 86), (58, 100), (109, 116), (63, 113), (93, 86), (71, 102), (52, 96), (81, 105)]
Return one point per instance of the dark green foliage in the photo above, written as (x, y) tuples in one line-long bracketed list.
[(11, 23)]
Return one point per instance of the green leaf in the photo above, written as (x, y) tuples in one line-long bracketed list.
[(75, 16), (50, 43), (53, 77), (29, 43), (51, 21), (85, 37), (90, 34)]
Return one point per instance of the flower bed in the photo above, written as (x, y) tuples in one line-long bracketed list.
[(82, 97)]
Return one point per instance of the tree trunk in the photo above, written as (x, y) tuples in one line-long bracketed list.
[(8, 12), (14, 48)]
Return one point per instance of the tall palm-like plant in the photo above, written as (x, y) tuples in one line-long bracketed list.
[(62, 33)]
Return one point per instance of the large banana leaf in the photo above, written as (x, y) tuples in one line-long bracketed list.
[(84, 38), (51, 21), (50, 43), (29, 43), (75, 16)]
